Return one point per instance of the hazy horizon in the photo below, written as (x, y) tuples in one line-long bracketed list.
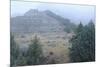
[(75, 13)]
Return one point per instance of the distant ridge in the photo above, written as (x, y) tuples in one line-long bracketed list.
[(40, 21)]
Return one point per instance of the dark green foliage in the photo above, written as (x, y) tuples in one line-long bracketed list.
[(34, 53), (14, 51), (32, 56), (79, 28), (22, 59), (83, 43)]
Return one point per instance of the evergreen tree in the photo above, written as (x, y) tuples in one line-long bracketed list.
[(89, 41), (34, 53), (14, 51), (83, 44), (22, 59), (79, 28)]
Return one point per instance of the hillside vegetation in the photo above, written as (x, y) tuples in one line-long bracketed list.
[(42, 37)]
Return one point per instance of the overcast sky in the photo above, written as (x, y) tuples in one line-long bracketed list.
[(75, 13)]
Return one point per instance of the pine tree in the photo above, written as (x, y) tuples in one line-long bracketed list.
[(34, 53), (22, 59), (83, 44), (74, 51), (79, 28), (14, 51), (89, 41)]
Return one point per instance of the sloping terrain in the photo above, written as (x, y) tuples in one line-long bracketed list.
[(48, 27)]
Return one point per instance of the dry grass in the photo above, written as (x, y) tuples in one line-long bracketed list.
[(56, 43)]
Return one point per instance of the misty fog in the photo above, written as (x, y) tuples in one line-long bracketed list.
[(75, 13)]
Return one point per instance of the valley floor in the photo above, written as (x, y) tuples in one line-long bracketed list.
[(55, 45)]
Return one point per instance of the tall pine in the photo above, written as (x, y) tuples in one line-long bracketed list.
[(34, 53), (83, 43), (14, 51)]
